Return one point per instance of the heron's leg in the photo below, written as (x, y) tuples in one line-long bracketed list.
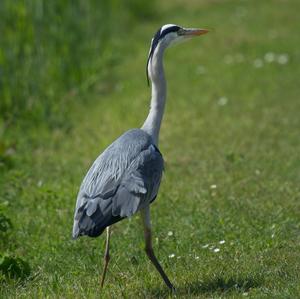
[(148, 248), (106, 255)]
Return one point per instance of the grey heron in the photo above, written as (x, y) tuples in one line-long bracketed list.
[(125, 178)]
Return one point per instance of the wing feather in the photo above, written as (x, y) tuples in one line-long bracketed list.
[(122, 180), (139, 183)]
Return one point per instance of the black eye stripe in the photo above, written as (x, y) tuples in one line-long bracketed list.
[(158, 36), (168, 30)]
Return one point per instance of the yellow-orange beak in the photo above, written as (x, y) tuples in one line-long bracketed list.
[(194, 32)]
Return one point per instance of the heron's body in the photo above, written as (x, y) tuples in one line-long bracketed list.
[(125, 178)]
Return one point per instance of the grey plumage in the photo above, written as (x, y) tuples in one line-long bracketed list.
[(125, 178), (122, 180)]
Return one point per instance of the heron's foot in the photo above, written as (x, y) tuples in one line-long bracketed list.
[(172, 289)]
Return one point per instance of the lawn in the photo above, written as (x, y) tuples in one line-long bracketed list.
[(226, 222)]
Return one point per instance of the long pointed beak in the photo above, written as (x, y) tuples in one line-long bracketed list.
[(194, 32)]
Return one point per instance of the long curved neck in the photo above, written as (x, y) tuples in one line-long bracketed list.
[(158, 95)]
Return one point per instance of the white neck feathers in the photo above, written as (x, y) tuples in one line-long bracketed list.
[(158, 94)]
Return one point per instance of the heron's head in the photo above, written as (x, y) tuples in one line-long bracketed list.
[(169, 35)]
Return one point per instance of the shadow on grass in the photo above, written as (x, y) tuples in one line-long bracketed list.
[(219, 284), (207, 286)]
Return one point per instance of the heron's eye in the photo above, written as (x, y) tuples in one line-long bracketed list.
[(180, 32)]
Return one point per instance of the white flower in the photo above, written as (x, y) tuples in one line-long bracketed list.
[(200, 70), (283, 59), (205, 246), (40, 183), (170, 233), (196, 257), (222, 101), (171, 255), (216, 249), (222, 242), (213, 186), (269, 57), (228, 59), (258, 63)]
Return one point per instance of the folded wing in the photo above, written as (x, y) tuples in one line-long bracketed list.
[(123, 179)]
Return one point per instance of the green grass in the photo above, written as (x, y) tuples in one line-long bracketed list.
[(248, 146), (53, 50)]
